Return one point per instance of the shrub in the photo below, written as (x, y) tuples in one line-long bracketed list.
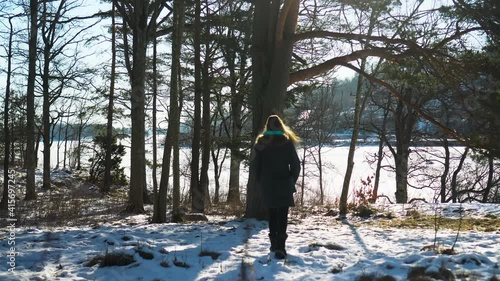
[(375, 277), (98, 162), (111, 259), (364, 211), (420, 273), (364, 194)]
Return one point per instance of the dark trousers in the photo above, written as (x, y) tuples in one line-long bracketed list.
[(278, 221)]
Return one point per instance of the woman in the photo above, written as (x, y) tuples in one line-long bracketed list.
[(277, 168)]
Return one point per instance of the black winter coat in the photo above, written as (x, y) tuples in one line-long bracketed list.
[(277, 168)]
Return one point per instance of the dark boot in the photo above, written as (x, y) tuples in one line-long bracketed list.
[(280, 252), (272, 238)]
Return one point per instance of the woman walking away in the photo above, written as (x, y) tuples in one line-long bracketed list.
[(277, 169)]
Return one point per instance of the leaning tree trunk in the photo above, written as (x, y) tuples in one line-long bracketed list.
[(358, 111), (272, 42), (358, 108), (454, 177)]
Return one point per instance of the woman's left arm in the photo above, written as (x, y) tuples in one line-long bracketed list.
[(294, 163)]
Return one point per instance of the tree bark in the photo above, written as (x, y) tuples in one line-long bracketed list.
[(358, 110), (137, 114), (272, 42), (5, 197), (454, 183), (30, 105), (46, 102), (405, 119), (155, 102), (172, 138), (65, 153), (197, 200), (380, 152), (489, 183), (446, 166), (203, 193), (237, 92), (109, 126)]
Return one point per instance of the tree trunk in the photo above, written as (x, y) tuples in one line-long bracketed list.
[(401, 162), (405, 119), (171, 141), (206, 138), (217, 171), (79, 146), (444, 175), (58, 145), (155, 97), (31, 153), (5, 197), (233, 195), (37, 146), (489, 183), (137, 114), (237, 85), (380, 153), (303, 164), (197, 198), (46, 116), (358, 112), (66, 142), (454, 184), (271, 56), (109, 126), (174, 120), (359, 106)]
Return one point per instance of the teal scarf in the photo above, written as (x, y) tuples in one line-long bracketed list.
[(273, 133)]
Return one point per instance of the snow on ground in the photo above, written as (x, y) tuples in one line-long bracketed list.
[(61, 253)]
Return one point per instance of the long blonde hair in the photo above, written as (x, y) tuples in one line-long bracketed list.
[(275, 123)]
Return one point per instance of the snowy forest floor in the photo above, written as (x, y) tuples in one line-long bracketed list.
[(75, 233)]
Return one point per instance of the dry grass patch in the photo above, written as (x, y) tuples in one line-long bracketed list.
[(208, 253), (179, 263), (145, 254), (480, 224)]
